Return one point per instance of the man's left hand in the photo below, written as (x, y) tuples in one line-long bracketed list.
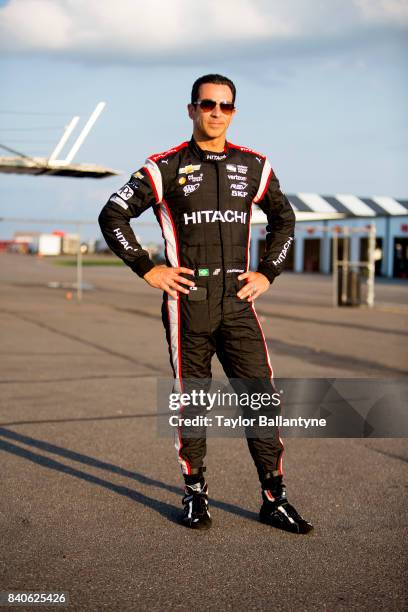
[(256, 284)]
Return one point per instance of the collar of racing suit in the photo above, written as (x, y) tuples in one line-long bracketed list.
[(208, 155)]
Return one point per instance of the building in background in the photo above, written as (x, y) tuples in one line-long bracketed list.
[(50, 244), (70, 244), (25, 242), (312, 250)]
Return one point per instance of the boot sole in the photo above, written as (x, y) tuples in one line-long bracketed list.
[(296, 528), (197, 526)]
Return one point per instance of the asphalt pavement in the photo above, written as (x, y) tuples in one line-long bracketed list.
[(90, 495)]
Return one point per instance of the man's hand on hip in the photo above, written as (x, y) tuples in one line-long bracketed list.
[(256, 284), (168, 279)]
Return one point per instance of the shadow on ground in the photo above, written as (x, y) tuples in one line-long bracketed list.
[(169, 511)]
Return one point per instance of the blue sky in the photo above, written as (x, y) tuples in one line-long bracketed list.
[(321, 91)]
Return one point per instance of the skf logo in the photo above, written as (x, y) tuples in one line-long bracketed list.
[(211, 216)]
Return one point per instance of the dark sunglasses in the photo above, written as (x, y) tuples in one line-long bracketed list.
[(209, 105)]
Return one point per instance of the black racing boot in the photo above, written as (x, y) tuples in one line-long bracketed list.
[(277, 511), (195, 500)]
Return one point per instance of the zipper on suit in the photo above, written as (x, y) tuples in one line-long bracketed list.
[(217, 170)]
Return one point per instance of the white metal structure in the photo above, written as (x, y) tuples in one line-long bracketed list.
[(81, 138), (24, 164), (67, 133)]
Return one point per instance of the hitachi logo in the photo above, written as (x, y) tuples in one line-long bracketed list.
[(123, 240), (211, 216), (214, 156), (282, 255)]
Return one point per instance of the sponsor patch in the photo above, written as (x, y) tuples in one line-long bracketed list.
[(216, 157), (134, 183), (189, 169), (125, 192), (236, 177), (203, 272), (212, 216), (239, 186), (182, 180), (195, 179), (138, 175), (119, 201), (282, 255), (190, 188), (122, 240)]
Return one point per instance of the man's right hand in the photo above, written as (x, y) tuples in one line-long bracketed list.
[(168, 279)]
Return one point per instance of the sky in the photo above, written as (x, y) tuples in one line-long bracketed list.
[(321, 90)]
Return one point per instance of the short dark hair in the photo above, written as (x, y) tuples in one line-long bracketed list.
[(217, 79)]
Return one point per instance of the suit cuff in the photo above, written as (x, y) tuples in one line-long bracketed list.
[(142, 265), (267, 271)]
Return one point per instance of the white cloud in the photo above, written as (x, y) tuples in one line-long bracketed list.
[(380, 11), (145, 30), (34, 24)]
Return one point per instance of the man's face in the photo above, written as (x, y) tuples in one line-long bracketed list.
[(211, 124)]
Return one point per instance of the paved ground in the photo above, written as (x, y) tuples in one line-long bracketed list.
[(90, 495)]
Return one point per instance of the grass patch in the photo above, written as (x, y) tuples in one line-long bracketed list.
[(100, 261)]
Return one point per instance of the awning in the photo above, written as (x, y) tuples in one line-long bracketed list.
[(312, 206)]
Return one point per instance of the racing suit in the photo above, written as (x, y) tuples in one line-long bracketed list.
[(203, 201)]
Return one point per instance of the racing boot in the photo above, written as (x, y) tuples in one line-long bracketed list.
[(277, 511), (195, 500)]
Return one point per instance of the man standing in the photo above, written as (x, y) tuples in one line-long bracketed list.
[(202, 192)]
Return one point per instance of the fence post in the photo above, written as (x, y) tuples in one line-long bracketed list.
[(371, 266), (79, 267), (335, 267)]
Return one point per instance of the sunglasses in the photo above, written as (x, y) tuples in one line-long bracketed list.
[(209, 105)]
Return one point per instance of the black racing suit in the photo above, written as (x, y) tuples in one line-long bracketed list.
[(203, 202)]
